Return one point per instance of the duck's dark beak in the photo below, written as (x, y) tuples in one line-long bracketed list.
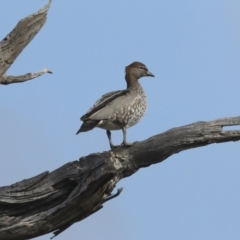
[(150, 74)]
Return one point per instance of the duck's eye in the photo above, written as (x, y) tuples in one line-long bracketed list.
[(142, 68)]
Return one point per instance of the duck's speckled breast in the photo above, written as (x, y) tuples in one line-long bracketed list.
[(129, 114), (137, 108)]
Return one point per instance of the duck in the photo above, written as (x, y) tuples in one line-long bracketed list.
[(119, 110)]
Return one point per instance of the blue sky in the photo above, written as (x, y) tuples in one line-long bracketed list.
[(192, 47)]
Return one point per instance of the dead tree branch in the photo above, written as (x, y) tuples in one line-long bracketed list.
[(13, 44), (52, 202)]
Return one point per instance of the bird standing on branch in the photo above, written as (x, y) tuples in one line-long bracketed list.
[(119, 109)]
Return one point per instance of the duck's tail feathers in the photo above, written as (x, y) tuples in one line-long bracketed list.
[(88, 125)]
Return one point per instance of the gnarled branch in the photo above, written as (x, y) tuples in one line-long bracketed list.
[(54, 201), (13, 44)]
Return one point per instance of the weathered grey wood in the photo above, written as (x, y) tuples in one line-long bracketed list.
[(13, 44), (54, 201)]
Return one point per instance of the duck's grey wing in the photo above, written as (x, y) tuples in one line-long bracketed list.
[(113, 107), (103, 101)]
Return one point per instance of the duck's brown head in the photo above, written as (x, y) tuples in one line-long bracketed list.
[(136, 70)]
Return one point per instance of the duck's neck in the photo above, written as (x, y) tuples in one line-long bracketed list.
[(132, 82)]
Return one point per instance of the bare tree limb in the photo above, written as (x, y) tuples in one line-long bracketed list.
[(54, 201), (22, 78), (13, 44)]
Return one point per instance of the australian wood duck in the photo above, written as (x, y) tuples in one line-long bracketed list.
[(119, 109)]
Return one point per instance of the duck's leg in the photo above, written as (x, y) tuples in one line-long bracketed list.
[(125, 143), (110, 139)]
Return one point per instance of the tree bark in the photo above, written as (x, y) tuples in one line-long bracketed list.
[(13, 44), (54, 201)]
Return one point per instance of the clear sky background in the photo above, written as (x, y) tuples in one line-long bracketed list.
[(192, 47)]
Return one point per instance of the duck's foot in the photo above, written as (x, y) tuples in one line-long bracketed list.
[(128, 144), (123, 144), (113, 147)]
